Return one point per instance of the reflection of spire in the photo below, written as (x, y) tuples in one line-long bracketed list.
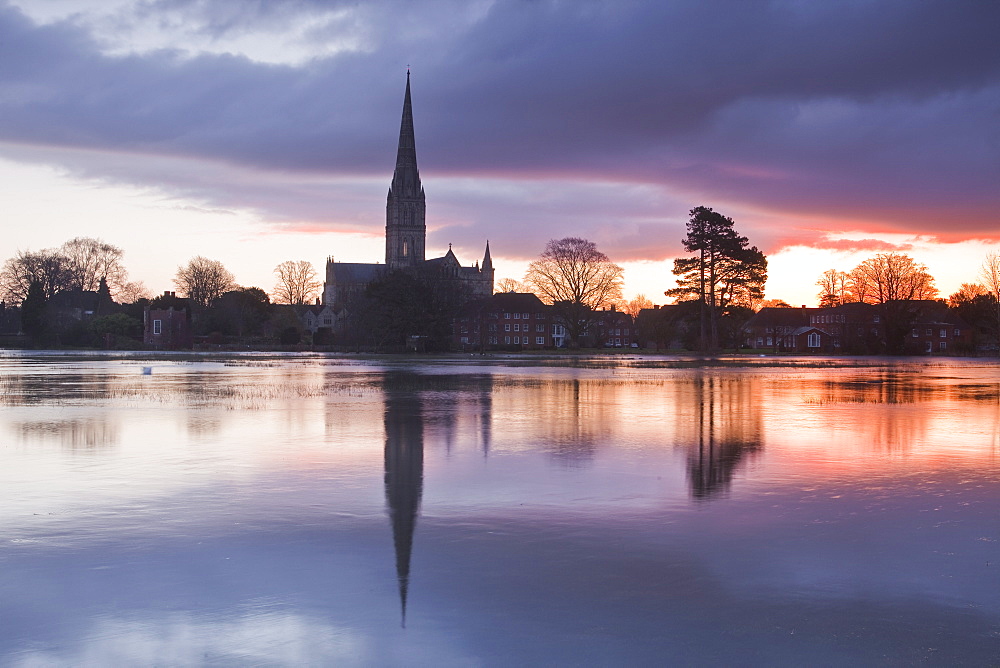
[(404, 472)]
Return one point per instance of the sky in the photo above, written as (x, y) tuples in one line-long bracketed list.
[(258, 131)]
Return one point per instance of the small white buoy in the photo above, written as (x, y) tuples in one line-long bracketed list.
[(147, 371)]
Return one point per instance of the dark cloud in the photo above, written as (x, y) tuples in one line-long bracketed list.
[(885, 113)]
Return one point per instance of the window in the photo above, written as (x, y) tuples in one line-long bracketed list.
[(769, 341), (493, 327), (540, 340), (406, 247), (930, 346), (493, 340), (915, 333), (327, 320), (465, 339), (875, 319), (506, 340), (517, 327), (929, 332), (760, 341), (812, 340), (540, 328), (526, 316), (506, 327), (958, 332), (943, 333), (157, 327), (517, 339), (626, 331), (506, 316), (943, 345)]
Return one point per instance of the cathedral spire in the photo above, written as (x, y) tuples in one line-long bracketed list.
[(405, 227)]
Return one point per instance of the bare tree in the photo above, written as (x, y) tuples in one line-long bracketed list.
[(132, 291), (636, 304), (297, 283), (509, 285), (47, 267), (833, 287), (577, 279), (891, 277), (989, 275), (203, 280), (89, 260)]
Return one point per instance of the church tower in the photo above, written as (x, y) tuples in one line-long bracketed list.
[(405, 226)]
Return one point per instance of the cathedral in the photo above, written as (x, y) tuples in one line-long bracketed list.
[(405, 235)]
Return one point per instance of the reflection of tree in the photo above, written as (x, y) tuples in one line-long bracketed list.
[(80, 434), (728, 424), (404, 472)]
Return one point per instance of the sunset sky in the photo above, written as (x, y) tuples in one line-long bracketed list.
[(254, 132)]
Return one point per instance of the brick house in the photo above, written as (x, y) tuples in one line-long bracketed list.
[(614, 329), (168, 328), (507, 321), (780, 330)]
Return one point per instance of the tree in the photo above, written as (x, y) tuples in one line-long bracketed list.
[(637, 304), (889, 277), (88, 260), (832, 288), (48, 268), (203, 280), (775, 303), (727, 272), (297, 282), (577, 279), (989, 275), (34, 315), (509, 285), (892, 281), (239, 312)]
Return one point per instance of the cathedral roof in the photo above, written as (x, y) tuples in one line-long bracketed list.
[(355, 272)]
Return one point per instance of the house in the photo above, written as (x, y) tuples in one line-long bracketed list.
[(613, 329), (508, 321), (659, 328), (779, 329), (167, 325)]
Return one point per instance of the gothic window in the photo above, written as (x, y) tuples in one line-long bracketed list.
[(406, 247)]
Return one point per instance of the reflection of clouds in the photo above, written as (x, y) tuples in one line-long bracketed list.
[(76, 434), (267, 638)]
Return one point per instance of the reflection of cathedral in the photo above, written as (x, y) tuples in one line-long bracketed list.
[(405, 234), (404, 475)]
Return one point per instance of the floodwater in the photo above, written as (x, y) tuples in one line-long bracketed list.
[(498, 511)]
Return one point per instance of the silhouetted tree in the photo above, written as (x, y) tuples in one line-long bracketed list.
[(636, 304), (202, 280), (726, 271), (240, 312), (833, 286), (35, 317), (989, 275), (88, 260), (48, 267), (893, 281), (577, 279), (297, 282)]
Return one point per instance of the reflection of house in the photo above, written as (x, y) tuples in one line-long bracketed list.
[(405, 235)]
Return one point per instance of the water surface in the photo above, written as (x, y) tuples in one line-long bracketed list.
[(300, 509)]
